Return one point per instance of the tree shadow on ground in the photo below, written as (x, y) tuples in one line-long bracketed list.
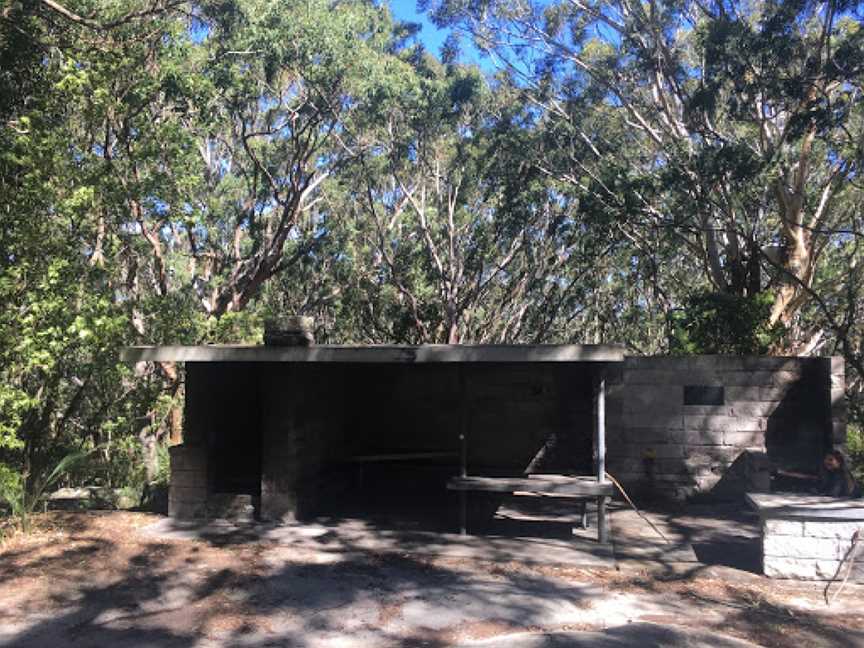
[(720, 534), (173, 593), (774, 624), (163, 596)]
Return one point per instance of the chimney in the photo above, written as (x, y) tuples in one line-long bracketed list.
[(290, 331)]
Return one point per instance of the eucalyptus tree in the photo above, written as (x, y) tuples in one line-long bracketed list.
[(452, 232), (59, 324), (215, 152), (173, 167), (733, 128)]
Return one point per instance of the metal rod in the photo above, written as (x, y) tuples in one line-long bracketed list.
[(600, 449), (463, 450), (463, 423), (601, 429)]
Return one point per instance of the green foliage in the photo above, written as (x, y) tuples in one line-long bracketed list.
[(855, 449), (23, 500), (11, 488), (116, 464), (163, 466), (181, 176), (712, 323)]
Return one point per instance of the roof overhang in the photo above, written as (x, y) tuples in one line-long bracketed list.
[(385, 354)]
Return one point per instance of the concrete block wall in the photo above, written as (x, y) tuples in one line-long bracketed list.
[(809, 550), (302, 424), (838, 415), (530, 418), (303, 421), (187, 494), (774, 412)]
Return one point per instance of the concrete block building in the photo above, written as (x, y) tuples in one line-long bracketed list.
[(284, 432)]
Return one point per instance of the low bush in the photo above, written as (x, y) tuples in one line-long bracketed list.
[(22, 500), (855, 449), (716, 323)]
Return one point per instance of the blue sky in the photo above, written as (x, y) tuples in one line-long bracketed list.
[(430, 35)]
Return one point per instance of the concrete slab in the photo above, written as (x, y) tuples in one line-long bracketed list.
[(638, 546), (807, 507), (641, 635), (707, 539)]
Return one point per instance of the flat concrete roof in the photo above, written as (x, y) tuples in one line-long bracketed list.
[(379, 353)]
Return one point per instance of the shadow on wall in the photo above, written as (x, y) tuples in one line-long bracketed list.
[(518, 419), (750, 472), (715, 426), (798, 429), (797, 412)]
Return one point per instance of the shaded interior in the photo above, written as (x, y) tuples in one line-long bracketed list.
[(380, 441)]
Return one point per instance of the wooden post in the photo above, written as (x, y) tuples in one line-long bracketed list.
[(600, 459)]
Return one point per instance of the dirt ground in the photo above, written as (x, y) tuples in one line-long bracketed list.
[(93, 579)]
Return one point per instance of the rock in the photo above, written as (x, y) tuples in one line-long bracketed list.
[(290, 331)]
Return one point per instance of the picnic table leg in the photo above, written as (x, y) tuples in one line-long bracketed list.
[(463, 513), (584, 514), (602, 525)]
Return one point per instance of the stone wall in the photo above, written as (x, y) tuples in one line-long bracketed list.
[(284, 431), (303, 424), (838, 415), (216, 472), (771, 412), (187, 494), (808, 550)]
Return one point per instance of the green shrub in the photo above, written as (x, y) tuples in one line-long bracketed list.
[(855, 449), (163, 466), (11, 488), (117, 467), (117, 464), (20, 499), (718, 323)]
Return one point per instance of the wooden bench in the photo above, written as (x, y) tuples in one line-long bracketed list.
[(807, 536), (578, 488)]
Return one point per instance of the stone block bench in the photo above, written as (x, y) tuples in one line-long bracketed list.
[(806, 537)]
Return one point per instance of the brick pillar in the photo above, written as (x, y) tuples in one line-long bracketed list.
[(187, 495), (298, 412), (282, 394)]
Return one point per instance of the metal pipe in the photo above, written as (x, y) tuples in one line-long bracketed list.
[(601, 429)]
